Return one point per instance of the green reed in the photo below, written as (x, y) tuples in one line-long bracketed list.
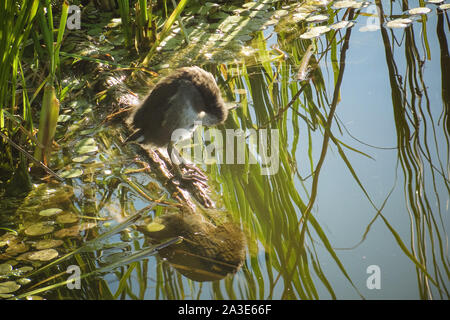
[(15, 27)]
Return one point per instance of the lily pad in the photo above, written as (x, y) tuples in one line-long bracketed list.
[(342, 25), (64, 117), (23, 281), (39, 229), (347, 4), (86, 149), (399, 23), (17, 248), (35, 298), (23, 256), (281, 13), (67, 232), (320, 3), (419, 10), (9, 286), (86, 142), (317, 18), (315, 32), (74, 231), (25, 269), (5, 268), (7, 239), (71, 173), (82, 159), (50, 212), (155, 227), (299, 16), (86, 111), (86, 145), (435, 1), (67, 218), (43, 255), (87, 131), (444, 6), (47, 244)]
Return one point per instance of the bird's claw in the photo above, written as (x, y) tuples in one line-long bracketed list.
[(194, 174)]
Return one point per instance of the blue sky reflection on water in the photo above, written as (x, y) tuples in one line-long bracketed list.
[(341, 207)]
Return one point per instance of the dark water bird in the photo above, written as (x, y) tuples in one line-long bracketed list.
[(181, 100)]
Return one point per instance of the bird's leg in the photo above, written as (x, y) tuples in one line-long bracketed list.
[(178, 162)]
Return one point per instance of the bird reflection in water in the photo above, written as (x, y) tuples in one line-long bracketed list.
[(209, 251)]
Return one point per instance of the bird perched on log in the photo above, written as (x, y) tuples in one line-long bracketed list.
[(181, 100)]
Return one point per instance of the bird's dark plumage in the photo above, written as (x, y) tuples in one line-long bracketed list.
[(187, 95)]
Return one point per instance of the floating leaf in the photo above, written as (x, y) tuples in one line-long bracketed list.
[(444, 6), (43, 255), (35, 298), (342, 24), (47, 244), (5, 268), (299, 16), (7, 238), (315, 32), (63, 117), (435, 1), (50, 212), (271, 22), (320, 3), (347, 4), (317, 18), (86, 149), (87, 111), (9, 286), (16, 248), (75, 230), (82, 158), (87, 131), (399, 23), (23, 256), (67, 232), (281, 13), (72, 173), (154, 227), (67, 218), (25, 269), (23, 281), (86, 142), (419, 10), (38, 229)]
